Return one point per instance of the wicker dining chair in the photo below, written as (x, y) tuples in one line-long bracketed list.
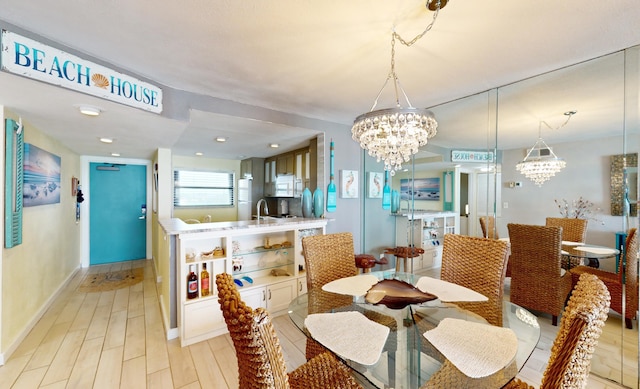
[(478, 264), (327, 258), (537, 280), (573, 230), (625, 278), (488, 226), (580, 328), (261, 364)]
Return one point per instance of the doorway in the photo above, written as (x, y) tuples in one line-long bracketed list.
[(117, 209)]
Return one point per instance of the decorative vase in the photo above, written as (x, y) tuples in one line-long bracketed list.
[(386, 192), (395, 201), (332, 195), (318, 203), (307, 203)]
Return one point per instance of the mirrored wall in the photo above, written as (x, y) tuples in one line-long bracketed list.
[(472, 159)]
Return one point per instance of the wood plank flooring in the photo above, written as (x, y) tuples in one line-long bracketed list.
[(115, 339)]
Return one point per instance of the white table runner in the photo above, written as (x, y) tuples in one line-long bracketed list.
[(476, 349), (349, 334), (448, 291)]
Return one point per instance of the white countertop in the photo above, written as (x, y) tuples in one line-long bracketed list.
[(421, 213), (175, 226)]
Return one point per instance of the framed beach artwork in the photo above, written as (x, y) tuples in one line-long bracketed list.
[(421, 188), (375, 181), (349, 184), (41, 177)]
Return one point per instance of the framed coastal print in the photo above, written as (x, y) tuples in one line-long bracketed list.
[(41, 177), (349, 184), (375, 181), (421, 189)]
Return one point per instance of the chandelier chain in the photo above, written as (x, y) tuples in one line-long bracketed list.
[(393, 135), (417, 37)]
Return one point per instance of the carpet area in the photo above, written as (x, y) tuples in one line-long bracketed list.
[(102, 282)]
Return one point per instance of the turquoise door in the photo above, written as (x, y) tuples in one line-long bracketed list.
[(117, 230)]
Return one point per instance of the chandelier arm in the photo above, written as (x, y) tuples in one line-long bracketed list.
[(403, 93), (375, 102)]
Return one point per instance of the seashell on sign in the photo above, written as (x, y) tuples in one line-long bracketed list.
[(100, 81)]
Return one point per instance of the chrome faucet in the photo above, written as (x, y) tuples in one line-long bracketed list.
[(408, 204), (266, 208)]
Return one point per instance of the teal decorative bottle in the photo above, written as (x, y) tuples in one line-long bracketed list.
[(386, 192), (395, 201), (307, 203), (332, 195), (318, 203)]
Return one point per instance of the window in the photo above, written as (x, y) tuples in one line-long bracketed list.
[(202, 188)]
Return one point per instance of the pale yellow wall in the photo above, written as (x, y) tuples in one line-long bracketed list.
[(33, 271), (198, 163)]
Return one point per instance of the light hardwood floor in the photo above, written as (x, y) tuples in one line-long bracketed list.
[(116, 339)]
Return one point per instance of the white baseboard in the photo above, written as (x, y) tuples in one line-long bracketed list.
[(16, 342), (171, 333)]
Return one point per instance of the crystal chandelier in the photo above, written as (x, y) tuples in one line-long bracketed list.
[(393, 135), (541, 163)]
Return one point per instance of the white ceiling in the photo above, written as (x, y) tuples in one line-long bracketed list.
[(274, 71)]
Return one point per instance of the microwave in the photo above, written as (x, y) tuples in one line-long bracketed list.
[(288, 185)]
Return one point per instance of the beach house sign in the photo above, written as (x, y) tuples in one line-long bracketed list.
[(28, 58)]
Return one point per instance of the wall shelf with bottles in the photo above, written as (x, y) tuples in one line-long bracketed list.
[(265, 259)]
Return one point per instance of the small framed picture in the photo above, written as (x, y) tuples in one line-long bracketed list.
[(349, 184), (375, 182)]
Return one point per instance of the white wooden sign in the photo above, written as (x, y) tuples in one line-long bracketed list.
[(471, 156), (28, 58)]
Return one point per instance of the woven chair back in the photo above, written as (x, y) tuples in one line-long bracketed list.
[(328, 258), (261, 363), (573, 230), (478, 264), (580, 328), (488, 226), (631, 273), (537, 281)]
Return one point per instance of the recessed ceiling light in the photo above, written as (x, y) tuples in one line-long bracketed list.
[(115, 154), (89, 110), (106, 140), (274, 145), (199, 154), (221, 139)]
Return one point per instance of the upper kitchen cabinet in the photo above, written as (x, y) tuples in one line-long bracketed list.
[(285, 164)]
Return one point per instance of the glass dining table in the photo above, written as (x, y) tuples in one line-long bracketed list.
[(408, 359), (590, 255)]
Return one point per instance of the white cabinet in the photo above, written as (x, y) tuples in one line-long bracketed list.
[(265, 260), (426, 230), (279, 295), (275, 298), (255, 297)]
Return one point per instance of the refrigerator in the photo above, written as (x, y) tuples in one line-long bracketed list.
[(245, 205)]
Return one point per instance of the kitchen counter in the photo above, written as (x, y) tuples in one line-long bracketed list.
[(421, 213), (175, 226)]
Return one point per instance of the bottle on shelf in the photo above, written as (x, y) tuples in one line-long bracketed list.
[(192, 283), (204, 280)]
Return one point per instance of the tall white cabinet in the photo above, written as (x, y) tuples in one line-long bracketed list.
[(264, 257), (426, 230)]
